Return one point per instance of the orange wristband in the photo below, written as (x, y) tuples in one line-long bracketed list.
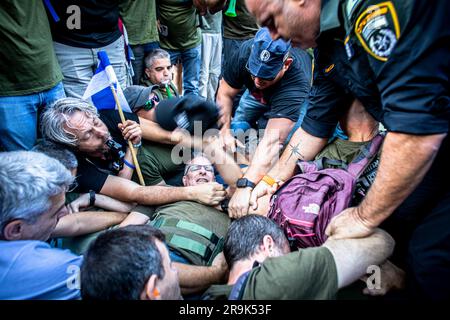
[(269, 180)]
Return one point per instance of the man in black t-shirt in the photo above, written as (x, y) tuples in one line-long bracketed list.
[(105, 162), (79, 31), (278, 80)]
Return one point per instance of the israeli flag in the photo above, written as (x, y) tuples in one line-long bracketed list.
[(99, 91)]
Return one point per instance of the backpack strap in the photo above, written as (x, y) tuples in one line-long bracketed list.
[(324, 163), (365, 156), (170, 226)]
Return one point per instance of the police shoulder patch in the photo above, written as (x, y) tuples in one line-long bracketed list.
[(378, 29)]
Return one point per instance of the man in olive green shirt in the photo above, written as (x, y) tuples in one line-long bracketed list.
[(30, 76), (237, 29), (139, 18), (180, 36), (159, 71), (257, 253)]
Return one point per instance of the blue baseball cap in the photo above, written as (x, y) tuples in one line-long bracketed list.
[(267, 55)]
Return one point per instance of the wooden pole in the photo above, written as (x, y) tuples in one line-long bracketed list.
[(130, 145)]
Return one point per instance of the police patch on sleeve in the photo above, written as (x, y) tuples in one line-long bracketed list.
[(378, 30)]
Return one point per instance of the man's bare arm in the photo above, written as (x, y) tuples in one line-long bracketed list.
[(81, 223), (196, 278), (129, 191), (405, 159), (302, 146), (225, 96), (228, 169), (353, 256), (268, 149)]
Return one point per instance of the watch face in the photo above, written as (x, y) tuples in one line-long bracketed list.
[(241, 183)]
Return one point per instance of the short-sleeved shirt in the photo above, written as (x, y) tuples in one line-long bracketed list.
[(397, 49), (241, 27), (28, 62), (305, 274), (33, 270), (139, 18), (98, 22), (286, 96), (200, 214), (178, 25)]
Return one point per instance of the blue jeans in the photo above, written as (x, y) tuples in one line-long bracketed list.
[(140, 52), (251, 111), (191, 62), (19, 117)]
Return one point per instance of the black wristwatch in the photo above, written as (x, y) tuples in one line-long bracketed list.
[(244, 183)]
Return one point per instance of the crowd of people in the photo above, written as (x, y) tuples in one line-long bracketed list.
[(272, 149)]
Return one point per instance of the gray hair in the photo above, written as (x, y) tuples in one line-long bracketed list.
[(57, 115), (60, 153), (156, 54), (246, 234), (27, 181)]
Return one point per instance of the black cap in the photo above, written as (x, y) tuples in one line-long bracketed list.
[(183, 112), (137, 96)]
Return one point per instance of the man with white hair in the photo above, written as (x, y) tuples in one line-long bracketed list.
[(32, 195)]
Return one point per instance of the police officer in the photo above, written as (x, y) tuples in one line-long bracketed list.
[(398, 52)]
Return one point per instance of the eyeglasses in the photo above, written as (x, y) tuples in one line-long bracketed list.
[(196, 167)]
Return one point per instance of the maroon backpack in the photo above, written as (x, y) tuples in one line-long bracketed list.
[(305, 204)]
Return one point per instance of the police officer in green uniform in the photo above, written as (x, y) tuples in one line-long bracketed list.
[(398, 52)]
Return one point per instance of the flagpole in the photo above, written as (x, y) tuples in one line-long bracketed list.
[(130, 145)]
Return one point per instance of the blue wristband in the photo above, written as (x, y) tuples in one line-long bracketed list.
[(129, 165)]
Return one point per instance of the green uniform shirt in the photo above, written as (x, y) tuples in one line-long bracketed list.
[(241, 27), (202, 215), (307, 274), (343, 150), (178, 25), (160, 92), (139, 17), (28, 62)]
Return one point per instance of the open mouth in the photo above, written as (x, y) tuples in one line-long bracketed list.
[(202, 180)]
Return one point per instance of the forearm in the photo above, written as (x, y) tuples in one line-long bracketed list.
[(159, 195), (111, 204), (195, 278), (225, 96), (151, 131), (353, 256), (81, 223), (127, 172), (265, 156), (302, 146), (228, 169), (405, 159)]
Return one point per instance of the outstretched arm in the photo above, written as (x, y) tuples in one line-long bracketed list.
[(392, 185), (80, 223), (353, 256)]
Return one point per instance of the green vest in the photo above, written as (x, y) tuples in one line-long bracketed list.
[(194, 230)]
